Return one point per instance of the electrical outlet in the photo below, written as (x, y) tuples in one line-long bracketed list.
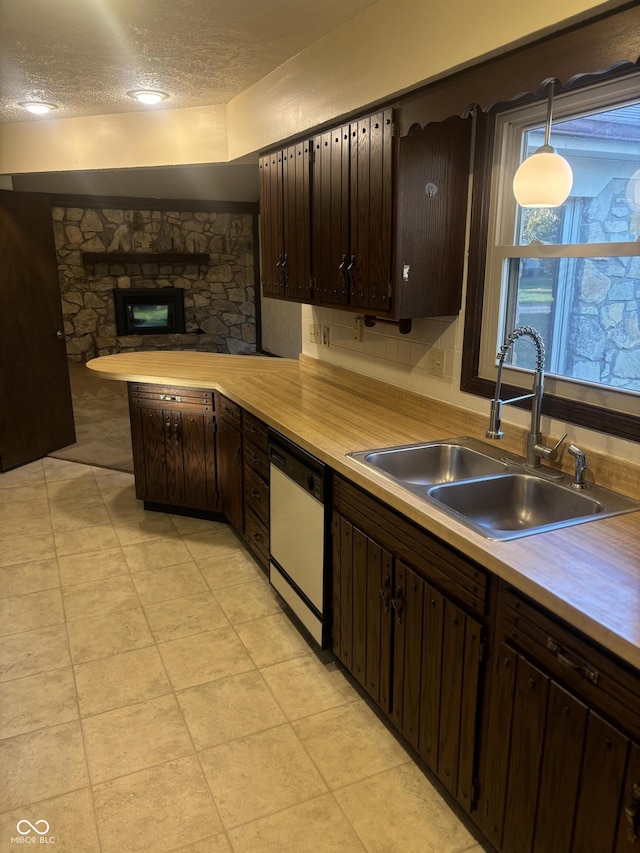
[(435, 364), (358, 323), (325, 336), (314, 334)]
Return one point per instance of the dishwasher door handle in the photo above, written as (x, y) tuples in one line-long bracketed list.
[(278, 458)]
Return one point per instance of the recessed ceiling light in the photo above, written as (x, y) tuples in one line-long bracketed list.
[(38, 108), (148, 96)]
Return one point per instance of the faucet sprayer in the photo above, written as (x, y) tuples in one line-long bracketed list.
[(535, 449)]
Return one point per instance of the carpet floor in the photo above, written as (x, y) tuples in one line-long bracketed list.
[(101, 415)]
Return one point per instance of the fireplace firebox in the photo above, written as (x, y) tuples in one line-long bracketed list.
[(157, 311)]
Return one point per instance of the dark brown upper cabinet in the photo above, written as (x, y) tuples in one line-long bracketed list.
[(352, 214), (285, 210), (432, 191), (368, 222)]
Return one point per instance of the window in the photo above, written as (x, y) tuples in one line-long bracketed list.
[(572, 272)]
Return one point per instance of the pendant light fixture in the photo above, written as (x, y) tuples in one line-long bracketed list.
[(544, 179)]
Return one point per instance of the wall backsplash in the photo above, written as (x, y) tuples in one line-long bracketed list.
[(403, 361), (219, 297)]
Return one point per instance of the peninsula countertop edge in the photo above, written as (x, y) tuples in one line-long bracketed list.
[(588, 575)]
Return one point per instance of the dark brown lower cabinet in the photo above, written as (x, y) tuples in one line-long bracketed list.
[(410, 645), (230, 462), (256, 487), (174, 446), (558, 776)]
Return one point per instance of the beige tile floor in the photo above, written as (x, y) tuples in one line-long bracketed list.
[(154, 695)]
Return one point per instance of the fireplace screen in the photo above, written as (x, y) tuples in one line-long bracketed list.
[(149, 312)]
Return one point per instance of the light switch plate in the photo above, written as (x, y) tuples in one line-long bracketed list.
[(435, 362)]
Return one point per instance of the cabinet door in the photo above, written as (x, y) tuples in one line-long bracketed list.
[(271, 224), (555, 774), (197, 445), (362, 586), (371, 205), (296, 209), (629, 812), (603, 768), (560, 771), (149, 431), (431, 180), (330, 216), (436, 667), (230, 473)]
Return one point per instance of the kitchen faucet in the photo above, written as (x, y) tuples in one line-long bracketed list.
[(535, 449)]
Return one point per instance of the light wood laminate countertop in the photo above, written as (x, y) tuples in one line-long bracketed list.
[(588, 574)]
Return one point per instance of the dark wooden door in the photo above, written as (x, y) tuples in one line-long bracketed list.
[(371, 209), (35, 394), (271, 224), (331, 258), (230, 473), (629, 811), (149, 430), (296, 209), (432, 185), (362, 609), (197, 459)]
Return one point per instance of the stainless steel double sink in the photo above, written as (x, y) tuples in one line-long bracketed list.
[(492, 491)]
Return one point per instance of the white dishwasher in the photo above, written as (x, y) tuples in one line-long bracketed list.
[(298, 532)]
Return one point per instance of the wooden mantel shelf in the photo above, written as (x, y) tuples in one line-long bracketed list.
[(145, 258)]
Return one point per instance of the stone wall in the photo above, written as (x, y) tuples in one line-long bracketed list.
[(219, 297), (604, 339)]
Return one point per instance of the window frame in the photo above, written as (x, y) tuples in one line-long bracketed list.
[(474, 378)]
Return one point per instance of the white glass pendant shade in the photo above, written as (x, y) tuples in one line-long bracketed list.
[(543, 180)]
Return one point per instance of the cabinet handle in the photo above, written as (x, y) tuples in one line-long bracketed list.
[(385, 592), (351, 277), (255, 494), (398, 604), (172, 397), (632, 814), (342, 269), (582, 668)]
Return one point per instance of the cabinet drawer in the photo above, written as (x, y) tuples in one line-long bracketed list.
[(256, 458), (255, 431), (229, 411), (256, 495), (257, 537), (606, 683), (170, 397)]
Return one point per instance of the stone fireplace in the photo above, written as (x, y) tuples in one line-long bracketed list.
[(206, 252)]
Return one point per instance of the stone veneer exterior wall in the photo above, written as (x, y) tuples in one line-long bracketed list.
[(605, 314), (219, 298)]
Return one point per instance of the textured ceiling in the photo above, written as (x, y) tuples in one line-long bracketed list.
[(84, 55)]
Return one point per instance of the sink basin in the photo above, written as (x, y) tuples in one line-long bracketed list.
[(507, 506), (435, 462), (492, 491)]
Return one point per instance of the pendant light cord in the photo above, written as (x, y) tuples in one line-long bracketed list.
[(547, 130)]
